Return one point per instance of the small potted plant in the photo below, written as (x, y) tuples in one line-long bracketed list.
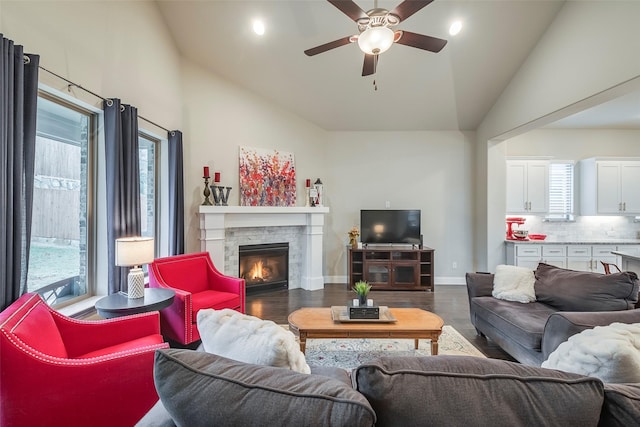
[(362, 288)]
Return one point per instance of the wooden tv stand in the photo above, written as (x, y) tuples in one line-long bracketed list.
[(392, 268)]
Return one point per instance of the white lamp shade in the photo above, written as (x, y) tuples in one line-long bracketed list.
[(375, 40), (133, 251)]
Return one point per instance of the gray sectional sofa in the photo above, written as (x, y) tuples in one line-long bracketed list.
[(568, 302), (202, 389)]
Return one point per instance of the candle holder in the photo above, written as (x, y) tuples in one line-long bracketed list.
[(206, 192)]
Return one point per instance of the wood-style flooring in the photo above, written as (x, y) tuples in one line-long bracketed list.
[(447, 301)]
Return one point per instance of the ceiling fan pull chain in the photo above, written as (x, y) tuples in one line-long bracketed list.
[(375, 85)]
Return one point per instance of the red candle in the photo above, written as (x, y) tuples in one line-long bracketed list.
[(216, 177), (206, 172), (308, 183)]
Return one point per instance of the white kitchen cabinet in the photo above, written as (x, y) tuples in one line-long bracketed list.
[(527, 186), (574, 257), (609, 187), (530, 255)]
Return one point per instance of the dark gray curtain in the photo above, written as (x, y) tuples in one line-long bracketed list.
[(18, 109), (176, 194), (123, 183)]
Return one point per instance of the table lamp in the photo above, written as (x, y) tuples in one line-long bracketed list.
[(133, 252)]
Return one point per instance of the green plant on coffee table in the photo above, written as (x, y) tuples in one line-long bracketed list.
[(362, 288)]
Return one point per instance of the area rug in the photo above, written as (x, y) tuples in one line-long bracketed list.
[(351, 353)]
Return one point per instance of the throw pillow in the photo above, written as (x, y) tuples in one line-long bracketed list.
[(570, 290), (201, 389), (611, 353), (475, 391), (249, 339), (512, 283)]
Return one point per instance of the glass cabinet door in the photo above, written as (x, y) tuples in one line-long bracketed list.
[(377, 274)]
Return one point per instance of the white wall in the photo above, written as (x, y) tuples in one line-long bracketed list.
[(588, 50), (431, 171), (221, 117), (575, 144), (115, 49)]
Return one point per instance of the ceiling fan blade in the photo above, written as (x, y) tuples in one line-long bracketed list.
[(432, 44), (369, 66), (408, 8), (349, 8), (328, 46)]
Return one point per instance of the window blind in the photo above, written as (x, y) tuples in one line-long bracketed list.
[(561, 189)]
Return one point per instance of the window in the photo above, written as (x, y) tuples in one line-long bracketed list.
[(67, 246), (561, 191), (59, 261), (147, 148)]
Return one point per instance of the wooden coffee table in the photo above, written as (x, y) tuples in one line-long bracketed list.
[(309, 323)]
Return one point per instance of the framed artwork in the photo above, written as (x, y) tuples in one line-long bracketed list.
[(267, 177)]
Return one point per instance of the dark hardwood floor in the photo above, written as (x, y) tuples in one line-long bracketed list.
[(449, 302)]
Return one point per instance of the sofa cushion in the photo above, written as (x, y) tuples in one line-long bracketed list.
[(38, 329), (202, 389), (249, 339), (513, 283), (569, 290), (611, 353), (523, 323), (419, 391), (621, 405)]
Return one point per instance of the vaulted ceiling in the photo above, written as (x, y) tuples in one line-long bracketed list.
[(411, 90)]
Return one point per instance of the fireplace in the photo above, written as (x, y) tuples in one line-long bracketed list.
[(264, 267)]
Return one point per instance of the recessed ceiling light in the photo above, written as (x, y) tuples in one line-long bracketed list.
[(258, 27), (455, 28)]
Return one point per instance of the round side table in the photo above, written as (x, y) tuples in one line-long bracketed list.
[(116, 305)]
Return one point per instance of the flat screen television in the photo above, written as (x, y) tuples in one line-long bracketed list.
[(390, 226)]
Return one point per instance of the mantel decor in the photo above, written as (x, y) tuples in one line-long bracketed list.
[(267, 178), (220, 195)]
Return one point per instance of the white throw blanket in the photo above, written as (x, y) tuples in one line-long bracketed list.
[(611, 353), (249, 339)]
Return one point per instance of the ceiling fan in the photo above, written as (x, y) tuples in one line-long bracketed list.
[(376, 34)]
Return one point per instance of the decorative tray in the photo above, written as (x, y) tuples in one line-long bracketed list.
[(339, 313)]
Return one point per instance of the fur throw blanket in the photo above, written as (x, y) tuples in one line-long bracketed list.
[(611, 353), (249, 339)]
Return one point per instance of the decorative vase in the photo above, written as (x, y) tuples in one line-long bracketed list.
[(362, 299)]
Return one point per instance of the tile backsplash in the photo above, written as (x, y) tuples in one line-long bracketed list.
[(585, 227)]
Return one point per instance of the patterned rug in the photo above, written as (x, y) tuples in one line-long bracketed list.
[(350, 353)]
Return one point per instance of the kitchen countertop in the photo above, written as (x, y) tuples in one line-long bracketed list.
[(553, 241), (629, 254)]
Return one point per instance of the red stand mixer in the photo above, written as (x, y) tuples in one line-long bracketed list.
[(510, 231)]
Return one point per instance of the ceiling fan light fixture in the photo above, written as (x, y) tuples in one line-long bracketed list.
[(375, 40)]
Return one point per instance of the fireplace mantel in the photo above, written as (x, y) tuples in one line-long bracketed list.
[(215, 220)]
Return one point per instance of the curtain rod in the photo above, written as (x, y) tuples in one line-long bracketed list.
[(96, 95)]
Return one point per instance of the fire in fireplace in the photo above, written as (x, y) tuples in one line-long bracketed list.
[(265, 266)]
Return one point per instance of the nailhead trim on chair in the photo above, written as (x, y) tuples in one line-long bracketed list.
[(88, 361)]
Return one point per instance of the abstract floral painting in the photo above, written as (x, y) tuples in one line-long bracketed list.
[(267, 178)]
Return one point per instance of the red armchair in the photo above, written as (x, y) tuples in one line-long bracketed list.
[(198, 284), (59, 371)]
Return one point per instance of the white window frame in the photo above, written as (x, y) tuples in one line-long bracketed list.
[(97, 285), (565, 207)]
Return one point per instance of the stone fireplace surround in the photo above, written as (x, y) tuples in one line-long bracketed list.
[(224, 228)]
